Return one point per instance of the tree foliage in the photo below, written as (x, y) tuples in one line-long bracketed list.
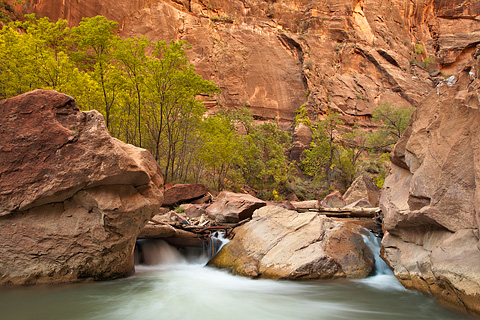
[(37, 59), (336, 151), (392, 120), (150, 96), (221, 150), (258, 158), (147, 91), (323, 158)]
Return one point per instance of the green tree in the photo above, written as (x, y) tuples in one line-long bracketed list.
[(301, 116), (319, 160), (268, 163), (221, 149), (257, 157), (131, 58), (16, 68), (265, 164), (354, 144), (54, 35), (346, 165), (95, 39), (172, 106), (392, 120), (36, 59)]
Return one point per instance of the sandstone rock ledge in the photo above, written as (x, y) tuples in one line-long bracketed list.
[(284, 244), (72, 198), (431, 199)]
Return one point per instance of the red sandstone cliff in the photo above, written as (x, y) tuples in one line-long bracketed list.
[(273, 56), (431, 199)]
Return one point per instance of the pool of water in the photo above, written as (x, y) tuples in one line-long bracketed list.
[(181, 289)]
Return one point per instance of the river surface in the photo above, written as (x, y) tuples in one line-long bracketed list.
[(182, 289)]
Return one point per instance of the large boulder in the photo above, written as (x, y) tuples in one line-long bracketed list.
[(284, 244), (181, 193), (333, 200), (363, 188), (73, 198), (431, 199), (233, 207)]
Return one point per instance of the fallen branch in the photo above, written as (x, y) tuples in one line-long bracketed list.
[(182, 218)]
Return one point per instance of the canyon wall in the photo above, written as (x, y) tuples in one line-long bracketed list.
[(431, 198), (273, 56)]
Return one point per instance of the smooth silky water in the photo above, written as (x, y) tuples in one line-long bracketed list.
[(179, 288)]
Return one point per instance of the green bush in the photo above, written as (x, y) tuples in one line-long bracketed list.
[(419, 48)]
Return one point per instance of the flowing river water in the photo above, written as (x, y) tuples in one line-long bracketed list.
[(175, 287)]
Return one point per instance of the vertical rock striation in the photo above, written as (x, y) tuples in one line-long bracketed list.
[(72, 198), (431, 199)]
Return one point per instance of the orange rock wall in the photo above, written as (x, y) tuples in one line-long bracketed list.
[(274, 56)]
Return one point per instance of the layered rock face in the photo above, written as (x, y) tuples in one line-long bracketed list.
[(73, 198), (431, 199), (273, 56), (284, 244)]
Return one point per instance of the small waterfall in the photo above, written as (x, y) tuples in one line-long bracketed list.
[(382, 278), (375, 243), (151, 252), (214, 244)]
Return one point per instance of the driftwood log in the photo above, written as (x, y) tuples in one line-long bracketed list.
[(346, 212)]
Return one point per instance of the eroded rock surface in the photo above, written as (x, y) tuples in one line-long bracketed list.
[(233, 207), (284, 244), (274, 56), (431, 199), (73, 198), (333, 200)]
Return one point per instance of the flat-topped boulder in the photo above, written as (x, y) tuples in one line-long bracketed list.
[(284, 244), (306, 205), (73, 199)]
